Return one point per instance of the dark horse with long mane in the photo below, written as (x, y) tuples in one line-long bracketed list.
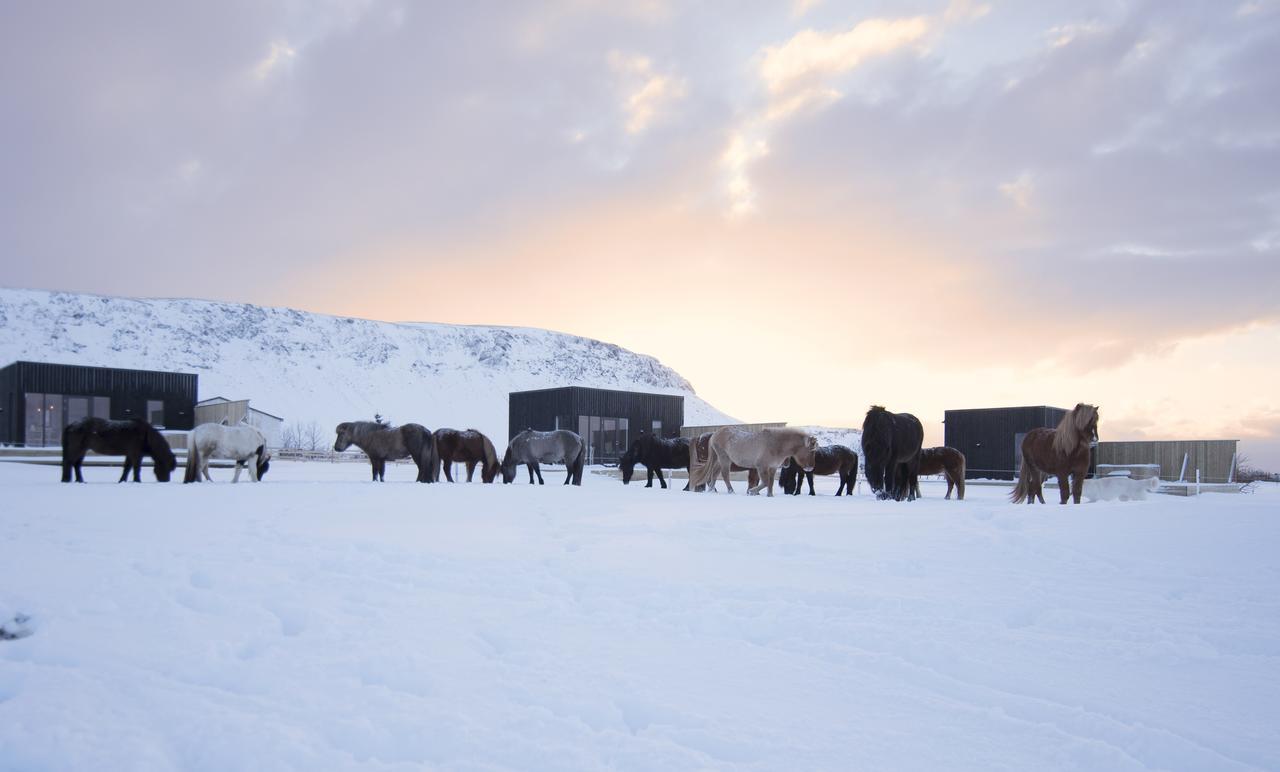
[(469, 447), (381, 442), (829, 459), (948, 462), (133, 439), (891, 453), (656, 454), (1063, 451)]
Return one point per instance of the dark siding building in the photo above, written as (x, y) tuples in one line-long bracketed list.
[(605, 418), (37, 399), (991, 438)]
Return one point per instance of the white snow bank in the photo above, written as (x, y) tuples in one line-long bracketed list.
[(318, 621)]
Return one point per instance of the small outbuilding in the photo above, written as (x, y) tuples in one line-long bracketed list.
[(233, 411), (991, 438), (38, 399), (607, 419)]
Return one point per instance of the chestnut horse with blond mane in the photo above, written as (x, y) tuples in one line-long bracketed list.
[(1063, 451)]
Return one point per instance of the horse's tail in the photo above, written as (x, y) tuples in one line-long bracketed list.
[(68, 451), (1023, 488), (964, 466), (422, 447), (701, 472), (193, 460), (579, 463)]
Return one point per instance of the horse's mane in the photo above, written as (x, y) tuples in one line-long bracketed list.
[(1073, 429), (365, 428)]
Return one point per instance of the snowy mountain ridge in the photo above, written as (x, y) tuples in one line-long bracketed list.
[(315, 367)]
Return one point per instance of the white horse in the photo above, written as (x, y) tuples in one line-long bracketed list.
[(242, 443)]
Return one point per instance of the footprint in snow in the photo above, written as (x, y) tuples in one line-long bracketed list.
[(17, 627)]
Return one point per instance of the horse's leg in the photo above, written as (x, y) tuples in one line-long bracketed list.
[(1077, 486), (448, 472), (124, 475), (661, 480), (538, 468), (1064, 486), (235, 478), (78, 465), (809, 477), (471, 470), (648, 476), (204, 468), (1039, 490), (568, 470)]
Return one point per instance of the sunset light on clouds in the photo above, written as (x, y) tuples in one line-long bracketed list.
[(803, 208)]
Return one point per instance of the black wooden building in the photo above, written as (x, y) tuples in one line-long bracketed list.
[(40, 398), (607, 419), (991, 438)]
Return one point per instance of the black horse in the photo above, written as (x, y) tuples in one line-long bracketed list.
[(891, 453), (656, 454), (132, 438), (829, 459)]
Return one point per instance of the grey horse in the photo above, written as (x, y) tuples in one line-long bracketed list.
[(381, 442), (531, 448)]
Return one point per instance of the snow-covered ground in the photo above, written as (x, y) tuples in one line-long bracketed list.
[(318, 621)]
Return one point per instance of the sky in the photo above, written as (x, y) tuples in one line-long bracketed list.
[(804, 208)]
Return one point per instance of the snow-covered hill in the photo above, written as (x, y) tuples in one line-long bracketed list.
[(313, 367)]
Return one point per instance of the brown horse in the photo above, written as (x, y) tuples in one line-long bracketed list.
[(947, 462), (702, 447), (830, 459), (1063, 451), (469, 447), (765, 450)]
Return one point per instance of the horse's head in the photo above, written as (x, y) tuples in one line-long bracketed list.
[(264, 461), (806, 456), (162, 459), (508, 467), (344, 437), (1086, 420), (628, 462)]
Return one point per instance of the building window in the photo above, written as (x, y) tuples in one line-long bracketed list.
[(606, 438), (657, 428), (155, 412)]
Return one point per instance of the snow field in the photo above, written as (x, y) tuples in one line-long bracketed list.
[(321, 621)]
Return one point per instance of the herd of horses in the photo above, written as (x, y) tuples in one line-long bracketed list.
[(892, 454)]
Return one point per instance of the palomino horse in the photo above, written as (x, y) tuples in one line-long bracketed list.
[(381, 442), (829, 459), (469, 447), (244, 444), (891, 453), (656, 454), (1063, 451), (764, 450), (532, 448), (132, 439), (947, 462)]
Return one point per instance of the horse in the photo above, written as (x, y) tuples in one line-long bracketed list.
[(244, 444), (471, 448), (381, 442), (1062, 451), (656, 454), (132, 438), (828, 459), (764, 450), (891, 453), (702, 447), (947, 462), (532, 448)]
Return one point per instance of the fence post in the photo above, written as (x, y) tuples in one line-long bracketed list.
[(1197, 481)]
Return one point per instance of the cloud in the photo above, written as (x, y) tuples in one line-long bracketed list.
[(280, 54), (810, 55), (646, 93), (1019, 191)]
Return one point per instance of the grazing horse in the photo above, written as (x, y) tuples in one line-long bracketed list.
[(532, 448), (471, 448), (764, 450), (381, 442), (702, 446), (828, 459), (656, 454), (132, 438), (891, 453), (947, 462), (1063, 451), (244, 444)]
